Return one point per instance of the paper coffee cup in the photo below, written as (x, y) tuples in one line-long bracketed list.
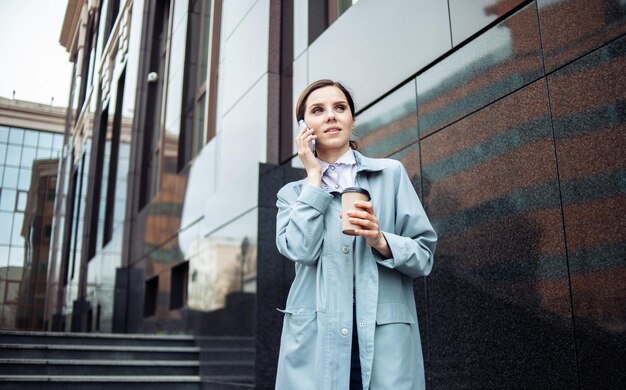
[(348, 197)]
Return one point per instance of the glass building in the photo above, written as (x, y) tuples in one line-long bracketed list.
[(508, 115), (31, 140)]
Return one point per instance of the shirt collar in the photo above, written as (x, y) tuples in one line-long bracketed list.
[(347, 158)]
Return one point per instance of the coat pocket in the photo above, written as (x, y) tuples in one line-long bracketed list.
[(395, 362), (393, 312), (297, 358)]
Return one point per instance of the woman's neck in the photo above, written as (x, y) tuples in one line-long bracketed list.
[(332, 155)]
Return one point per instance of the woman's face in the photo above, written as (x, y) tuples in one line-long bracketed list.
[(327, 112)]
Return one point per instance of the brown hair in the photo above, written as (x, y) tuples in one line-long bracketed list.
[(304, 95)]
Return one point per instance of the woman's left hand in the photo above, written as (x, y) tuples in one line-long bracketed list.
[(366, 219)]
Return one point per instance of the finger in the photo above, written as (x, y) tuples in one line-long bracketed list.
[(366, 223), (361, 214), (364, 205), (371, 234)]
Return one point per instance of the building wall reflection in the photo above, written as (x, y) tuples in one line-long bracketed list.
[(31, 138)]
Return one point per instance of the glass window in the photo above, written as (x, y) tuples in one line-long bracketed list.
[(16, 256), (6, 220), (12, 292), (4, 134), (200, 83), (10, 177), (13, 155), (57, 143), (4, 260), (30, 138), (24, 181), (45, 140), (43, 154), (16, 234), (16, 136), (3, 153), (22, 197), (7, 199), (341, 6), (28, 155)]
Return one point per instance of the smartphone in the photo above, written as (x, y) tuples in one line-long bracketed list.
[(312, 142)]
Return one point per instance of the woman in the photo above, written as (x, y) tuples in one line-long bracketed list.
[(350, 318)]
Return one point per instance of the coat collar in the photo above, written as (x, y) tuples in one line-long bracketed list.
[(367, 164)]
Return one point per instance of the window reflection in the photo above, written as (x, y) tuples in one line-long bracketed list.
[(21, 201), (224, 263), (4, 258), (390, 124), (16, 256), (16, 136), (43, 153), (24, 180), (19, 152), (6, 221), (7, 199), (4, 134), (45, 140), (3, 153), (58, 141), (30, 138), (13, 155), (16, 236), (28, 155), (10, 177)]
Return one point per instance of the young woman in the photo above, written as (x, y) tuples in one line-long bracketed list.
[(350, 318)]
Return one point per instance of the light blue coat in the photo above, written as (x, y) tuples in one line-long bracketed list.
[(317, 328)]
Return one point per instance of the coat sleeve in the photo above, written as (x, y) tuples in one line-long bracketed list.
[(413, 242), (300, 222)]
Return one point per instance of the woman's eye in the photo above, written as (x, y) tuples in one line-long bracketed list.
[(316, 110), (340, 108)]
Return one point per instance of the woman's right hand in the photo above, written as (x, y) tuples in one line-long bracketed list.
[(310, 162)]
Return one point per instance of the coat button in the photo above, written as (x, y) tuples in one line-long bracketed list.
[(345, 249), (344, 331)]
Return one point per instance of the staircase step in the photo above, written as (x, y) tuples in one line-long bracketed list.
[(70, 382), (228, 368), (12, 337), (231, 354), (240, 382), (38, 351), (69, 361), (97, 367), (224, 342)]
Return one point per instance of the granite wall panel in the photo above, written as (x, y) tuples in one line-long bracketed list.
[(573, 28), (498, 294), (469, 17), (589, 115), (496, 63)]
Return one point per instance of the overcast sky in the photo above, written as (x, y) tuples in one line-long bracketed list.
[(33, 62)]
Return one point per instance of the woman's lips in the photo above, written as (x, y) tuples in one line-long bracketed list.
[(333, 130)]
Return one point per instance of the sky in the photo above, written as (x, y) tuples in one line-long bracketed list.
[(33, 62)]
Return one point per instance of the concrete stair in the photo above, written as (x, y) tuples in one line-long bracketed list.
[(47, 360)]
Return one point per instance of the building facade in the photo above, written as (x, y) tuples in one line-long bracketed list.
[(31, 141), (509, 116)]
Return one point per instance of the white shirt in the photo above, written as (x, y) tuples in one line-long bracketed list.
[(341, 174)]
